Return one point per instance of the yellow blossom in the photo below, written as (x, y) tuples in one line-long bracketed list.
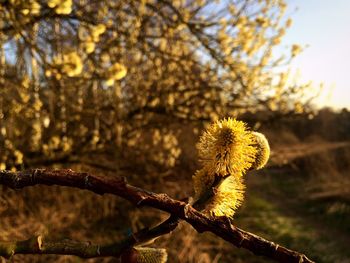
[(89, 47), (296, 49), (25, 11), (54, 142), (110, 82), (226, 147), (116, 72), (46, 122), (263, 150), (72, 64), (298, 107), (62, 7), (53, 3), (48, 73), (37, 105), (202, 182), (228, 195), (98, 30), (2, 166), (35, 8), (19, 157), (28, 7), (145, 255), (66, 144)]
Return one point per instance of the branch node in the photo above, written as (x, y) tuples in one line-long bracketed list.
[(86, 182), (124, 180), (12, 252), (139, 202), (186, 209), (33, 175), (40, 242), (241, 236), (303, 258), (16, 181)]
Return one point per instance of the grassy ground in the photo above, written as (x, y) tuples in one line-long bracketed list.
[(284, 217)]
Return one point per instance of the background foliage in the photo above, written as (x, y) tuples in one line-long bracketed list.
[(86, 76)]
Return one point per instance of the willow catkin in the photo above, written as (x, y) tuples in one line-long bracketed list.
[(226, 151), (263, 150), (144, 255), (226, 147)]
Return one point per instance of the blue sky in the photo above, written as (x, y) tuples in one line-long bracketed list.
[(324, 27)]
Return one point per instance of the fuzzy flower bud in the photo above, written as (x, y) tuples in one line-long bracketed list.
[(228, 195), (116, 72), (144, 255), (263, 150), (226, 148)]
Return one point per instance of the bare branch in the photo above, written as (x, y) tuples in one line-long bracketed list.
[(221, 227), (38, 245)]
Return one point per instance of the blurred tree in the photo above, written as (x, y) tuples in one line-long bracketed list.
[(104, 76)]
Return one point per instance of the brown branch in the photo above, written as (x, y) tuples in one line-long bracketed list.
[(37, 245), (221, 227)]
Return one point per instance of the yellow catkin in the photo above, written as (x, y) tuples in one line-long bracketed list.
[(62, 7), (116, 72), (226, 148), (296, 49), (263, 150), (229, 195), (73, 65), (145, 255), (202, 181), (151, 255)]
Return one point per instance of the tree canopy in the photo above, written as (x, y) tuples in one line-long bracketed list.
[(88, 76)]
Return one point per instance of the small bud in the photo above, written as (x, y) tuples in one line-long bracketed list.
[(40, 242), (263, 150)]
